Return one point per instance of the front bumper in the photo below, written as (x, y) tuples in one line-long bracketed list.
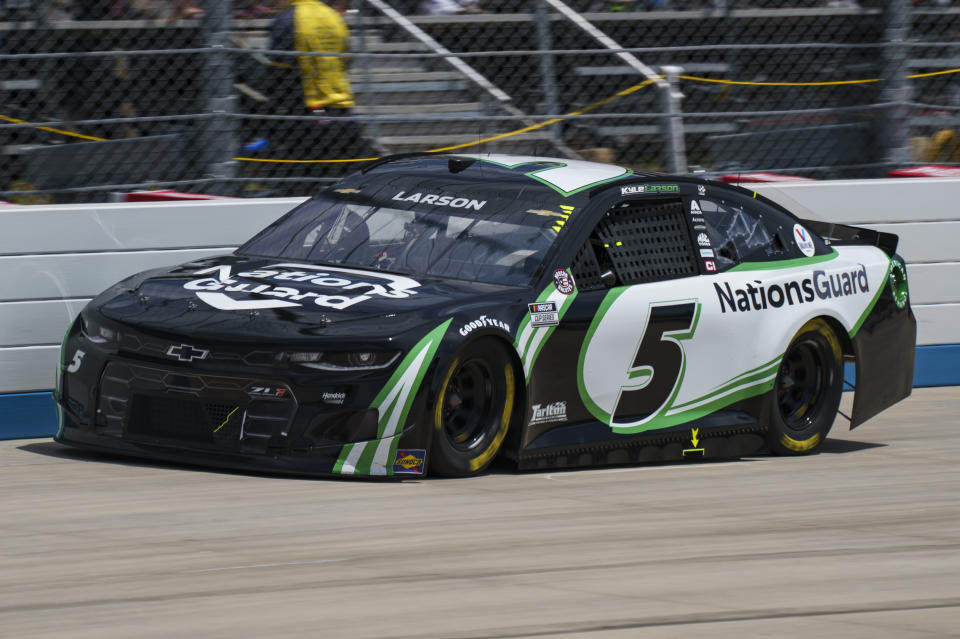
[(234, 420)]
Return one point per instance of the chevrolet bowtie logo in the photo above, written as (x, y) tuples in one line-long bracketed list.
[(187, 353)]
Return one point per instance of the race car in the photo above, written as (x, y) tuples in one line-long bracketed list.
[(432, 312)]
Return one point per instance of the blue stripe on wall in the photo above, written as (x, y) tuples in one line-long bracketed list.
[(27, 415), (34, 415)]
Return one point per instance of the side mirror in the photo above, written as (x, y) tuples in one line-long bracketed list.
[(609, 278)]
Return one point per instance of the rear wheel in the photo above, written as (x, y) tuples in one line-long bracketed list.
[(473, 409), (806, 394)]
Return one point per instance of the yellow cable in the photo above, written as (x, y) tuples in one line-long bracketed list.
[(694, 78), (932, 73), (52, 130)]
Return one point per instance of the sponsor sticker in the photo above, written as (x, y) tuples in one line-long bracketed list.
[(710, 265), (283, 285), (563, 280), (701, 190), (898, 284), (695, 208), (704, 252), (804, 240), (334, 397), (543, 314), (699, 227), (546, 213), (481, 322), (703, 240), (409, 461), (549, 413), (758, 296), (638, 189)]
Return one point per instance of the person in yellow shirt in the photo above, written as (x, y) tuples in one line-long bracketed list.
[(315, 27), (323, 87)]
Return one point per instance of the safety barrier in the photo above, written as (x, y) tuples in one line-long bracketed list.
[(50, 276)]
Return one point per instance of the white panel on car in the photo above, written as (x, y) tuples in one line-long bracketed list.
[(568, 176)]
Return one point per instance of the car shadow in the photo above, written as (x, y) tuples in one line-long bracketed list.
[(54, 449), (500, 466), (840, 446)]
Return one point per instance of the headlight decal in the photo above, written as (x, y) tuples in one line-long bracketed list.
[(393, 404)]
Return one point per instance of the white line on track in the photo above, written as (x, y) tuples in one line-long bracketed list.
[(307, 562)]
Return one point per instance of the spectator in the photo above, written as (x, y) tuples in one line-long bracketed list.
[(312, 26), (324, 86)]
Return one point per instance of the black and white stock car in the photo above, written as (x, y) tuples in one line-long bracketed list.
[(432, 312)]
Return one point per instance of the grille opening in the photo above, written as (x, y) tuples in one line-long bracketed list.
[(172, 419)]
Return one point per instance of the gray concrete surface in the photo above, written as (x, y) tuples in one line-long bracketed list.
[(861, 540)]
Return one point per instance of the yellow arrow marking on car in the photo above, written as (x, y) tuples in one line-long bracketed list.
[(694, 440)]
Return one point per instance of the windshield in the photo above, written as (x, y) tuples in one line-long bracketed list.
[(470, 246)]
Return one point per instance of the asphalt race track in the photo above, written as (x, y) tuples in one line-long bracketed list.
[(861, 540)]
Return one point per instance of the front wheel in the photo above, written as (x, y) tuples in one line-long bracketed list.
[(806, 394), (473, 409)]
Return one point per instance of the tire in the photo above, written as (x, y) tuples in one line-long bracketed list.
[(473, 408), (806, 393)]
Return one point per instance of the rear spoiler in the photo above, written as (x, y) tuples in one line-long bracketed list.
[(843, 234)]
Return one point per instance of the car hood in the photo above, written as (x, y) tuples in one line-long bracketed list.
[(262, 299)]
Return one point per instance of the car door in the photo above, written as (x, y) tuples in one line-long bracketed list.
[(584, 375), (647, 343)]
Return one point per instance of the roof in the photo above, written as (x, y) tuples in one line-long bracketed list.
[(514, 176)]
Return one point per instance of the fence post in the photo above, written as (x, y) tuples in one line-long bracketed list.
[(897, 88), (547, 70), (218, 136), (373, 125), (673, 120)]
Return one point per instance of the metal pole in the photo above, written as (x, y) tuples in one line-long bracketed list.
[(896, 86), (218, 139), (673, 120), (547, 70), (372, 126)]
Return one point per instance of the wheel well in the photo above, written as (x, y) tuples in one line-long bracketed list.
[(846, 345), (511, 444)]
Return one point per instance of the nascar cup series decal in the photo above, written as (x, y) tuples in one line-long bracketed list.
[(223, 290), (804, 240)]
